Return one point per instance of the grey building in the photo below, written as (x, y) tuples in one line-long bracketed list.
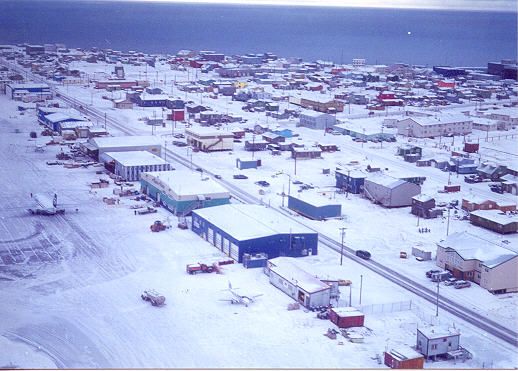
[(316, 120), (389, 191)]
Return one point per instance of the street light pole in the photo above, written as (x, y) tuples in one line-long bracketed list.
[(361, 286), (437, 303)]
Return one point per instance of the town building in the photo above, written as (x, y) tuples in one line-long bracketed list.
[(129, 165), (316, 120), (469, 257), (182, 191), (435, 341), (350, 180), (303, 287), (426, 127), (209, 140), (96, 146), (389, 191), (28, 92), (495, 220), (316, 207), (403, 357), (252, 229)]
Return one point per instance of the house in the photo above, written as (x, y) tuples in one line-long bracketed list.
[(389, 191), (350, 180), (403, 357), (425, 127), (303, 287), (346, 317), (328, 147), (256, 145), (33, 91), (209, 140), (407, 149), (433, 342), (331, 106), (182, 191), (469, 257), (423, 206), (273, 138), (510, 183), (123, 104), (473, 203), (129, 165), (151, 100), (316, 120), (306, 153), (491, 171), (238, 229), (316, 207), (495, 220)]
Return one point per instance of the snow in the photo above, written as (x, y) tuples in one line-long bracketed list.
[(84, 310), (136, 158), (185, 184), (109, 142), (472, 248), (244, 222), (304, 280)]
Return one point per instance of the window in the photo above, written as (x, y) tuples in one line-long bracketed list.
[(434, 346)]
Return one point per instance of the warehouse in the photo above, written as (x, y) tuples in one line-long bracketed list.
[(129, 165), (208, 140), (55, 120), (19, 91), (302, 286), (389, 191), (316, 207), (183, 191), (95, 147), (253, 229)]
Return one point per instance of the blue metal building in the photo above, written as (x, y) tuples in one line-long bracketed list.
[(253, 229), (248, 164), (350, 180), (317, 208)]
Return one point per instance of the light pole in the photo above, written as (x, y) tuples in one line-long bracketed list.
[(342, 230), (437, 302), (361, 286)]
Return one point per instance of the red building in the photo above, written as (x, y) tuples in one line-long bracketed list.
[(446, 84), (404, 358), (346, 317)]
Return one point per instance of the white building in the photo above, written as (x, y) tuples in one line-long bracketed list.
[(389, 191), (423, 127), (316, 120), (129, 165), (98, 146), (208, 140)]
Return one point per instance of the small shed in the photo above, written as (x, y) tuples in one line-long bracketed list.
[(346, 317), (306, 153), (404, 358), (248, 164), (422, 254), (437, 341)]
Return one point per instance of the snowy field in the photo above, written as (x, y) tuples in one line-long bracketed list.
[(72, 299)]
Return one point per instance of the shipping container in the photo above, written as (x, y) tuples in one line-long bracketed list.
[(346, 317), (404, 358)]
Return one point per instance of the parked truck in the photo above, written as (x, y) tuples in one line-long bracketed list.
[(441, 276), (153, 297)]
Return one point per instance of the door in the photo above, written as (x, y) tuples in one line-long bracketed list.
[(210, 235), (234, 251)]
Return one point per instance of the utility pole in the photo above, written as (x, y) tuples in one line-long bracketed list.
[(361, 286), (295, 172), (342, 230), (437, 302), (448, 222)]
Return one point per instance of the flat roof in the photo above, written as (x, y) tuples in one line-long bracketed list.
[(348, 312), (432, 332), (123, 141), (298, 276), (136, 158), (496, 216), (405, 352), (205, 131), (317, 200), (245, 222), (385, 180), (471, 247), (186, 183)]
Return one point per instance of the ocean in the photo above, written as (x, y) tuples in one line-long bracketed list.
[(381, 36)]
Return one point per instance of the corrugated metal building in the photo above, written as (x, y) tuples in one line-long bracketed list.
[(97, 146), (317, 207), (389, 191), (350, 180), (404, 358), (129, 165), (433, 341), (346, 317), (253, 229), (183, 191)]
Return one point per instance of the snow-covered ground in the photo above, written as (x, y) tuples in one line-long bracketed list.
[(76, 303)]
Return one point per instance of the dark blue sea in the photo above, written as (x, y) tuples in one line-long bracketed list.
[(427, 37)]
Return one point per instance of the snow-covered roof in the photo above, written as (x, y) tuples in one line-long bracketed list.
[(496, 216), (297, 276), (404, 353), (385, 180), (136, 158), (154, 97), (440, 120), (29, 86), (207, 132), (317, 200), (423, 198), (471, 247), (432, 332), (134, 140), (348, 312), (244, 222), (61, 116)]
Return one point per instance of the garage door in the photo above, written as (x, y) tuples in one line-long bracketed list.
[(226, 247), (234, 251), (210, 236), (217, 241)]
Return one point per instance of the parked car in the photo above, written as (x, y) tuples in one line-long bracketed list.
[(262, 183), (461, 284), (441, 276), (240, 176), (217, 176), (432, 271), (363, 254), (450, 281)]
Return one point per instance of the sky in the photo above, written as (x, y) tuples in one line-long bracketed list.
[(483, 5)]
